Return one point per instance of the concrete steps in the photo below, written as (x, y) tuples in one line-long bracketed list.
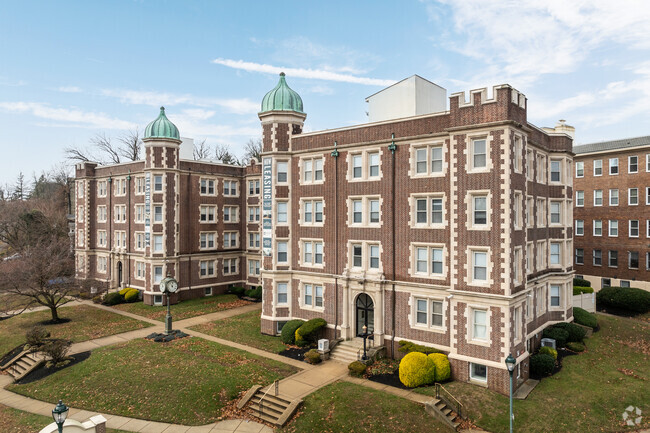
[(347, 351), (440, 410), (274, 409), (23, 364)]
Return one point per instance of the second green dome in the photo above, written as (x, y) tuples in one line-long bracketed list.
[(162, 127), (282, 98)]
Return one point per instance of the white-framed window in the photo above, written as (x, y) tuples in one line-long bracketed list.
[(139, 185), (101, 188), (157, 275), (158, 183), (633, 196), (230, 266), (373, 256), (231, 239), (253, 240), (555, 249), (253, 214), (518, 154), (479, 270), (373, 164), (479, 324), (254, 187), (612, 257), (119, 214), (312, 212), (80, 213), (555, 295), (140, 270), (428, 260), (364, 165), (516, 208), (580, 169), (541, 168), (312, 295), (158, 214), (516, 319), (598, 227), (120, 239), (556, 212), (613, 197), (541, 212), (101, 238), (231, 214), (357, 255), (157, 243), (207, 186), (283, 251), (357, 166), (530, 211), (541, 255), (598, 197), (632, 164), (80, 238), (101, 214), (516, 264), (312, 170), (597, 256), (613, 228), (598, 167), (530, 164), (312, 252), (634, 228), (206, 268), (647, 230), (102, 264), (139, 213), (580, 198), (364, 211), (282, 212), (647, 195), (580, 228), (580, 256), (556, 170), (207, 214), (613, 166), (282, 172), (647, 162), (119, 187), (139, 241), (428, 211), (529, 257), (253, 267), (428, 313), (230, 188), (428, 160), (282, 293), (647, 261), (207, 240), (479, 153), (479, 212), (478, 372)]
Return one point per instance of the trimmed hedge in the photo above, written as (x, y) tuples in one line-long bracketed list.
[(541, 364), (575, 347), (309, 330), (584, 317), (443, 367), (624, 298), (581, 290), (408, 347), (313, 357), (580, 282), (416, 369), (239, 291), (357, 368), (113, 298), (559, 335), (288, 334), (255, 293), (576, 333), (125, 290), (132, 295), (548, 351)]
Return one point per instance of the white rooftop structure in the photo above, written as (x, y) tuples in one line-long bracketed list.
[(413, 96)]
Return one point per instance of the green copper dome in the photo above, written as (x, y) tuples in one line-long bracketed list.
[(161, 128), (282, 98)]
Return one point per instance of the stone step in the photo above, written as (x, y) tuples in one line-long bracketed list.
[(266, 410)]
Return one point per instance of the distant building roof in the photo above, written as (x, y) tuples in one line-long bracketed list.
[(612, 145)]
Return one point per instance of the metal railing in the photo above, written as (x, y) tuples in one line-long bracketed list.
[(449, 400), (276, 387)]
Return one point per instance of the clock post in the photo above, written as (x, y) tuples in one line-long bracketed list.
[(168, 286)]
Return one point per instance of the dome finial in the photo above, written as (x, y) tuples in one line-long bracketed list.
[(282, 98), (162, 127), (282, 74)]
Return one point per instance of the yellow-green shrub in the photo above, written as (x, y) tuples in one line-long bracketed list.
[(124, 290), (549, 351), (443, 368), (131, 295), (416, 369)]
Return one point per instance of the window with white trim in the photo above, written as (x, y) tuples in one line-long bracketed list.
[(364, 211), (516, 264), (598, 227), (157, 274), (613, 197), (231, 239), (254, 187), (119, 215), (312, 212), (119, 187), (530, 165), (479, 324), (479, 210), (598, 167), (597, 256), (139, 213), (312, 253), (80, 238), (517, 156), (139, 241), (541, 255), (312, 170), (207, 186), (613, 228), (530, 211), (556, 171), (282, 172), (647, 261), (231, 214), (479, 266), (529, 257), (101, 214), (101, 188), (580, 256), (157, 243), (478, 154), (555, 253), (516, 207), (373, 164), (613, 166), (632, 164), (612, 257), (139, 185), (598, 197), (282, 293), (478, 372), (158, 214), (101, 238), (541, 168), (647, 230), (206, 268), (230, 188), (429, 313), (428, 160), (428, 211), (157, 183), (556, 216), (580, 198), (283, 252), (253, 240), (541, 212), (647, 195), (580, 169), (634, 228), (102, 264), (120, 239), (633, 196), (580, 228), (555, 295), (428, 260), (312, 295), (253, 214), (282, 209), (207, 240), (516, 319), (253, 267), (207, 214), (230, 266), (140, 270)]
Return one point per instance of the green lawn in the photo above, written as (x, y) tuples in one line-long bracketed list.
[(589, 394), (185, 309), (244, 329), (347, 407), (17, 421), (86, 323), (186, 381)]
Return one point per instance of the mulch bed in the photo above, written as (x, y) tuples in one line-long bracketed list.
[(164, 338), (42, 372), (391, 379), (295, 352), (50, 322), (10, 355)]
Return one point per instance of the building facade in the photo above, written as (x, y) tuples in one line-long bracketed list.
[(450, 229), (612, 213)]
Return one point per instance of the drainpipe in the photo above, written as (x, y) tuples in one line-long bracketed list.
[(128, 245), (335, 155), (189, 248), (392, 147)]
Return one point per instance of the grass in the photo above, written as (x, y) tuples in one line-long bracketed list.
[(17, 421), (347, 407), (184, 309), (186, 381), (590, 393), (86, 323), (243, 329)]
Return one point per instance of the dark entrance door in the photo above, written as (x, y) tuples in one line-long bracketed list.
[(365, 314), (119, 274)]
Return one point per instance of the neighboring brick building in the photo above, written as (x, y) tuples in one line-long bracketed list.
[(449, 228), (612, 213)]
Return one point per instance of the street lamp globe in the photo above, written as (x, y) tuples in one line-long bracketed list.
[(510, 363), (60, 413)]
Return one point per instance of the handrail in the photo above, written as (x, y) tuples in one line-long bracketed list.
[(449, 399), (276, 386)]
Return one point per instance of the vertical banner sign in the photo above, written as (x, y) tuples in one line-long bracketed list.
[(267, 206), (147, 209)]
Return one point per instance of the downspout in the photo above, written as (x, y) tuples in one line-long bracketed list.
[(392, 147), (335, 155), (109, 232), (189, 255), (128, 247)]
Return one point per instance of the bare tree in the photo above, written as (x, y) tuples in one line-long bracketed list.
[(202, 150), (252, 149), (130, 146), (222, 153), (104, 151), (104, 145)]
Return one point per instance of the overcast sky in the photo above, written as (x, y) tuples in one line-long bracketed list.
[(72, 69)]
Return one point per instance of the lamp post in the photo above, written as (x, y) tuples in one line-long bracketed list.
[(168, 286), (365, 337), (60, 413), (510, 363)]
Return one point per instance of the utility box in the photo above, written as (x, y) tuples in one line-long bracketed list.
[(548, 342), (323, 345)]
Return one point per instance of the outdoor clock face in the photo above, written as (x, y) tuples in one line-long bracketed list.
[(172, 285), (163, 288)]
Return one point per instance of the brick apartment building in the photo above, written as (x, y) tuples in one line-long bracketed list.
[(611, 212), (449, 227)]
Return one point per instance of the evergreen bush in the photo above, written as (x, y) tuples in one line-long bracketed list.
[(132, 295), (577, 290), (541, 364), (584, 317), (443, 367), (408, 347), (576, 333), (559, 335), (288, 334), (548, 351), (312, 356), (124, 291), (255, 293), (113, 298), (310, 330), (624, 298), (416, 369), (580, 282), (357, 368), (575, 347)]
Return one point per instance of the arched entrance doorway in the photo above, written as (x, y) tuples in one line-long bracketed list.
[(119, 274), (365, 314)]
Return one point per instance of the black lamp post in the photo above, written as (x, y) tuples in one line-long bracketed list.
[(510, 363), (60, 413), (365, 337)]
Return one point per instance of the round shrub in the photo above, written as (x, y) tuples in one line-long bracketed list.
[(559, 335), (584, 317), (624, 298), (580, 282), (132, 295), (312, 356), (408, 347), (541, 364), (113, 298), (576, 333), (255, 293), (288, 334), (416, 369), (357, 368), (239, 291), (309, 330), (443, 367), (580, 290), (125, 290), (548, 351), (575, 347)]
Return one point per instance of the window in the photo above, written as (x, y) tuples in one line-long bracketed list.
[(373, 164), (253, 214), (555, 212), (357, 255), (479, 322), (119, 187), (80, 238), (541, 255), (633, 259), (207, 241), (230, 187), (517, 265), (374, 256), (612, 258), (530, 211), (207, 214), (479, 153), (313, 295), (555, 170), (598, 167), (598, 228), (120, 213), (157, 274), (606, 282), (517, 155), (598, 257), (517, 323), (230, 266), (580, 227), (516, 208), (530, 164), (312, 252), (206, 268), (598, 197), (428, 313), (625, 283), (364, 165), (157, 243), (632, 164), (282, 252), (253, 240), (230, 214), (613, 197), (158, 183), (613, 166), (312, 170), (139, 241), (529, 257), (357, 211), (282, 293), (429, 260), (139, 213), (120, 239), (613, 228), (230, 239), (428, 211), (634, 228), (282, 170), (254, 187), (101, 188), (139, 185), (374, 211), (555, 253), (479, 265), (647, 195), (555, 295), (157, 214), (428, 160), (140, 270), (647, 261), (101, 238), (312, 211), (207, 187), (580, 198), (541, 168), (253, 267), (580, 169), (580, 256), (357, 167), (364, 211), (102, 263), (479, 210), (282, 212), (541, 212), (478, 372), (101, 214), (633, 196), (648, 228)]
